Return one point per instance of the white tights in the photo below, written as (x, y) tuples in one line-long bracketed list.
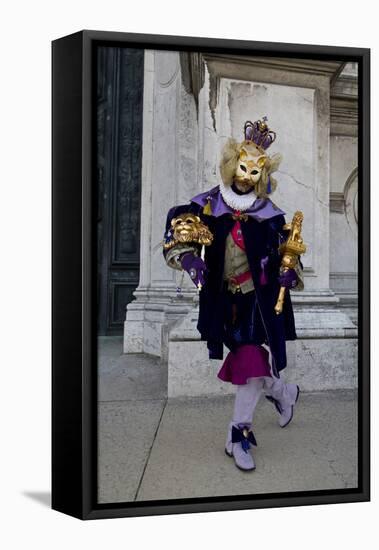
[(248, 395)]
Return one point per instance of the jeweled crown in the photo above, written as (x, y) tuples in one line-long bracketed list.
[(259, 133)]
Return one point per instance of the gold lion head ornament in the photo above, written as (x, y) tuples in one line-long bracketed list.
[(189, 228)]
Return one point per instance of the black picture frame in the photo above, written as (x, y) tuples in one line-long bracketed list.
[(74, 386)]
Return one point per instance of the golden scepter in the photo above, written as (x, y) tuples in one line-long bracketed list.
[(291, 250)]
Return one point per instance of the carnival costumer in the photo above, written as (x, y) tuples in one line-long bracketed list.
[(230, 240)]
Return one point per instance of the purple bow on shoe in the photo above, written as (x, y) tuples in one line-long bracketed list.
[(244, 436), (195, 267), (288, 278)]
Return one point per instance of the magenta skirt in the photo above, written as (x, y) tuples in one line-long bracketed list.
[(248, 361)]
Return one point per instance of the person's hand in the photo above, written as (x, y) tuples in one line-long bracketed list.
[(195, 267), (288, 278)]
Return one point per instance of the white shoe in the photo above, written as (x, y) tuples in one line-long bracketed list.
[(286, 405), (238, 443)]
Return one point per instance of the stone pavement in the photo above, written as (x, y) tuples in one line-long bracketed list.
[(151, 447)]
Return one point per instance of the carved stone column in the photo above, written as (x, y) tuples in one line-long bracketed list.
[(169, 177), (344, 189)]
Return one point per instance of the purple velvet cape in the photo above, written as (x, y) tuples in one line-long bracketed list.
[(262, 232)]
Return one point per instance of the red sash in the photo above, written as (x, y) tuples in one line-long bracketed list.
[(239, 279), (237, 235)]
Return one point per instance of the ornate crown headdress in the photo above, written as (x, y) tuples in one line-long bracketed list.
[(259, 133)]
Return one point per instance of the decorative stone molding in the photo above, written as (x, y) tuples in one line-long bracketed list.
[(193, 69), (351, 200), (343, 116), (346, 85), (347, 202), (229, 66), (343, 228), (352, 276), (344, 102), (331, 69), (337, 202)]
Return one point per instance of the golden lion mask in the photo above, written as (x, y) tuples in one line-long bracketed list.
[(189, 228)]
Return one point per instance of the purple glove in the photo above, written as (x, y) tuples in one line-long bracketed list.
[(288, 278), (195, 267)]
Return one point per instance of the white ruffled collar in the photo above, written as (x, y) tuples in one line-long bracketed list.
[(234, 201)]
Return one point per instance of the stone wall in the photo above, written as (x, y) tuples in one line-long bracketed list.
[(192, 104)]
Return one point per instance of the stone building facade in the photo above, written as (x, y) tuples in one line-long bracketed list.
[(192, 103)]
